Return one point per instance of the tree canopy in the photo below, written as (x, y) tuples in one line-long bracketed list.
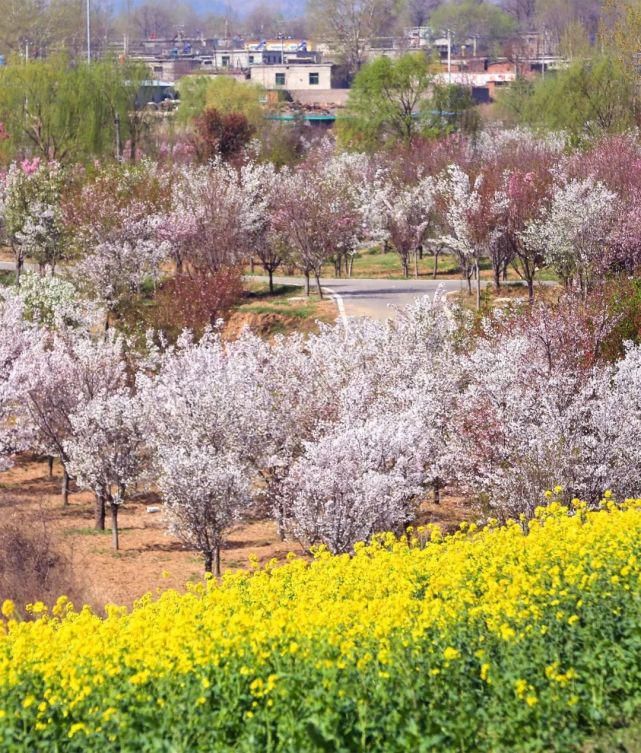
[(56, 110), (223, 94), (588, 97)]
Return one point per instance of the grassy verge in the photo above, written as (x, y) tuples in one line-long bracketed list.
[(623, 739), (512, 294), (372, 264), (287, 310)]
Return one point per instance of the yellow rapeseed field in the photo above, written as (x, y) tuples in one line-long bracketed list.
[(518, 637)]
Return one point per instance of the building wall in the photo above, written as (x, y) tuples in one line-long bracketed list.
[(293, 77)]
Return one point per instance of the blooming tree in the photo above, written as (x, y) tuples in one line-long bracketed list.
[(573, 229), (107, 449), (33, 220), (55, 377), (402, 215)]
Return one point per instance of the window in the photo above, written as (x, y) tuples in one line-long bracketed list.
[(251, 59), (225, 61), (280, 79), (313, 79)]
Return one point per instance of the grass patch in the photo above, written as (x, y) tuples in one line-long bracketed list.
[(623, 739), (7, 277), (287, 310), (86, 531)]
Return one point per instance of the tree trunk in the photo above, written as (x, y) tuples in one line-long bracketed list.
[(478, 285), (208, 556), (307, 284), (318, 285), (416, 264), (350, 266), (114, 527), (65, 486), (50, 464), (19, 265), (406, 267), (100, 512), (270, 272), (217, 561), (530, 290), (251, 265), (468, 277), (437, 492), (435, 264), (497, 278)]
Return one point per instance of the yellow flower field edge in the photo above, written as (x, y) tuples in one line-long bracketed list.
[(523, 637)]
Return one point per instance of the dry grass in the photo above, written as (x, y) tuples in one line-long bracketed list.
[(512, 295)]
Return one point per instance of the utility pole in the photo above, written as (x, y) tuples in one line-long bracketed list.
[(88, 31), (449, 57)]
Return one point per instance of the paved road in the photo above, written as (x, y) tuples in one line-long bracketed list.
[(375, 298), (10, 266), (357, 297)]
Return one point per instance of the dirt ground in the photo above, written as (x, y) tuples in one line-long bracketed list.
[(149, 559)]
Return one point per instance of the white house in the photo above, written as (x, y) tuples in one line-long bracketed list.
[(293, 77)]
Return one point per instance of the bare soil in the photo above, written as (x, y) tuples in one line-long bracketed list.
[(150, 559)]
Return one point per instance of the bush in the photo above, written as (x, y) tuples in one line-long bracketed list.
[(497, 640), (31, 567), (196, 301)]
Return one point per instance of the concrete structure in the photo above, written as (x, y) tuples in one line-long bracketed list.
[(294, 77)]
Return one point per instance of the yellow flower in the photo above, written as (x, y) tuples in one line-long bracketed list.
[(75, 728), (8, 609), (450, 654)]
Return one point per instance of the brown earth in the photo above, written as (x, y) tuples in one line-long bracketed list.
[(150, 559)]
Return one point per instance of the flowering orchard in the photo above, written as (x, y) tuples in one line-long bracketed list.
[(507, 199), (492, 640), (337, 435)]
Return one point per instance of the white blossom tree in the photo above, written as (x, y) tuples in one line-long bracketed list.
[(205, 494), (56, 376), (572, 231), (107, 449)]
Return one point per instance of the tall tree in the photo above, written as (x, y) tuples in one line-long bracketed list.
[(387, 102), (66, 112), (350, 26)]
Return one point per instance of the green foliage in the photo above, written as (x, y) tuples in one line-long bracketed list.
[(593, 96), (389, 102), (66, 112), (471, 18), (221, 93)]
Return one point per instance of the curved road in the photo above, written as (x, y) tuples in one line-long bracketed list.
[(374, 298), (356, 296)]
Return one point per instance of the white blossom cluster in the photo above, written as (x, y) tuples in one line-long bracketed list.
[(337, 435)]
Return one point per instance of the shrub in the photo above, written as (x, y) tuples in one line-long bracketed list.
[(197, 301), (31, 567)]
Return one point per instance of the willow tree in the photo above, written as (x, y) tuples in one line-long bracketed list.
[(55, 110)]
